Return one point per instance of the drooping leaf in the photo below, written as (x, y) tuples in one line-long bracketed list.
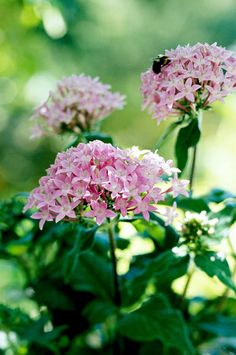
[(188, 137), (155, 319), (220, 326), (214, 264)]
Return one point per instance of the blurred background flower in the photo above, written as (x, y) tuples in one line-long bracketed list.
[(41, 41)]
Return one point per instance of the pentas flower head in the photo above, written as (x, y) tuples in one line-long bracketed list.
[(197, 230), (192, 79), (100, 181), (78, 102)]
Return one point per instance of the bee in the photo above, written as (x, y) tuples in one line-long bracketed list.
[(159, 62)]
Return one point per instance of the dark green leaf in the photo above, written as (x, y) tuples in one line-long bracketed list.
[(151, 229), (192, 204), (92, 136), (218, 195), (171, 235), (163, 269), (97, 311), (157, 320), (49, 294), (214, 265), (83, 241), (187, 137), (93, 274)]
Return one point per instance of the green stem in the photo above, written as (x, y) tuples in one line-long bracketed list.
[(117, 295), (189, 278)]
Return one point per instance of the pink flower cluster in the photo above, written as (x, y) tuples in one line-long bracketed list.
[(101, 181), (76, 104), (193, 78)]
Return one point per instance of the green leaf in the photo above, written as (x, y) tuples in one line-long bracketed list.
[(192, 204), (167, 241), (187, 137), (92, 136), (48, 293), (214, 265), (218, 195), (176, 269), (171, 235), (93, 274), (98, 311), (151, 229), (160, 270), (155, 319), (221, 326), (84, 239)]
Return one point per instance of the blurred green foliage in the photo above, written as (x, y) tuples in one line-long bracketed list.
[(43, 40), (57, 294)]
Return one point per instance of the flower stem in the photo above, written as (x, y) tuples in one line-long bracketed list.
[(189, 278), (117, 295)]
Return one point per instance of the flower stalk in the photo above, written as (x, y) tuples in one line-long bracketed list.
[(186, 287)]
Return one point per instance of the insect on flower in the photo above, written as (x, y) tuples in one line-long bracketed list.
[(159, 62)]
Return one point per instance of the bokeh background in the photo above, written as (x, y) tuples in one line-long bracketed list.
[(41, 41)]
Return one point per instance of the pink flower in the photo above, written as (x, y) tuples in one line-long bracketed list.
[(195, 77), (76, 104), (65, 209), (44, 215), (100, 181), (144, 207), (179, 187), (122, 204), (186, 90), (100, 212)]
